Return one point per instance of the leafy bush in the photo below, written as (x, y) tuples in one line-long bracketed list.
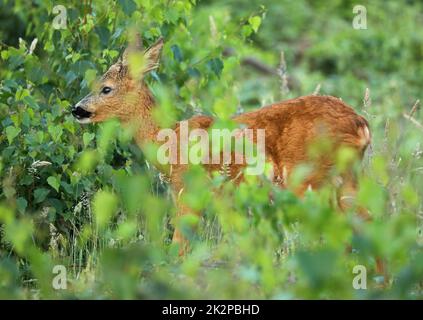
[(87, 198)]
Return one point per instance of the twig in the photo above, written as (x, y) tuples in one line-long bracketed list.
[(251, 61), (317, 90), (213, 28), (367, 101), (415, 107), (4, 44), (283, 75), (413, 120), (258, 65)]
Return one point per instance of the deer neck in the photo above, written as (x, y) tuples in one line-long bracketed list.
[(141, 118), (147, 130)]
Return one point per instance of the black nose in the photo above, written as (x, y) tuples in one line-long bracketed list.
[(80, 113)]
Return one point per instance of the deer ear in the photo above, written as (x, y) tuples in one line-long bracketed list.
[(135, 45), (152, 55), (124, 57)]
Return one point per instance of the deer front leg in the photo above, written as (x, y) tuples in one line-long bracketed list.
[(178, 236), (181, 210)]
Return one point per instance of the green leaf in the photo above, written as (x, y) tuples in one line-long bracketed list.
[(246, 30), (255, 22), (12, 133), (54, 182), (40, 194), (87, 161), (4, 55), (318, 267), (177, 54), (371, 195), (194, 72), (216, 65), (224, 107), (70, 76), (128, 6), (31, 102), (90, 76), (104, 205), (6, 215), (55, 132), (19, 234), (103, 34), (87, 137), (56, 203), (21, 204)]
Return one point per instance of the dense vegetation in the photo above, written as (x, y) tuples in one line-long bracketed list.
[(85, 197)]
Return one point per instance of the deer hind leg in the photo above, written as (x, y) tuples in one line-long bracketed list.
[(347, 193)]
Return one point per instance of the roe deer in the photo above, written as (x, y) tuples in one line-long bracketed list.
[(290, 127)]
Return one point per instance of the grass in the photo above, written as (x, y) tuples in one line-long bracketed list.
[(110, 218)]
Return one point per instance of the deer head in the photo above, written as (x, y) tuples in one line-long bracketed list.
[(121, 93)]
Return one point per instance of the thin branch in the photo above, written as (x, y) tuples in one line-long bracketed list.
[(367, 101), (251, 61), (258, 65), (415, 107), (213, 28), (316, 91), (262, 67), (413, 120), (283, 74)]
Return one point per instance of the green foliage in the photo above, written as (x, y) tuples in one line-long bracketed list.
[(86, 197)]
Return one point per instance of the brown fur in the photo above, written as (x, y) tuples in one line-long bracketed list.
[(291, 127)]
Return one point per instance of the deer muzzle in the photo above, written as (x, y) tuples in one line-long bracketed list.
[(80, 113)]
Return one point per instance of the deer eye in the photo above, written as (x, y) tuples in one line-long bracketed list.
[(106, 90)]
